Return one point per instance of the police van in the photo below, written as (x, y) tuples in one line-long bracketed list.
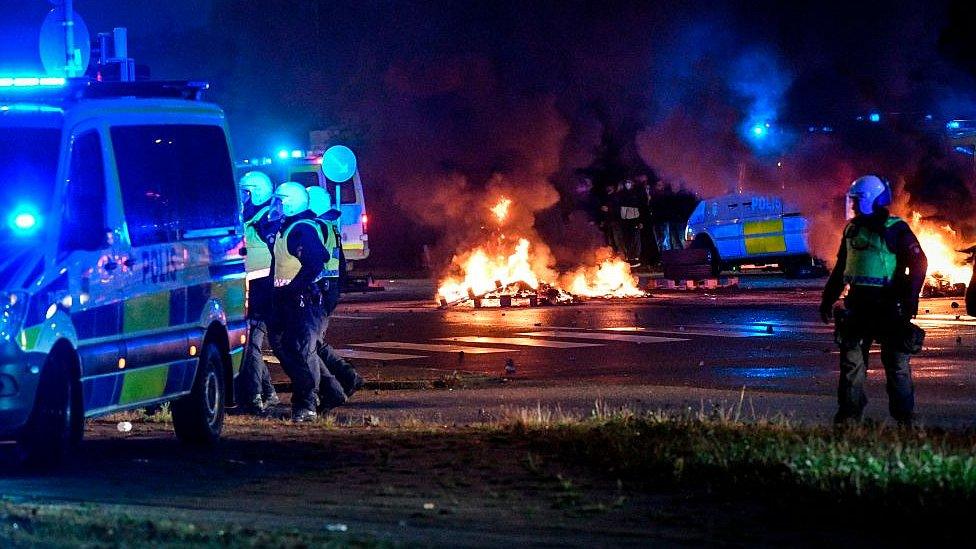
[(750, 229), (121, 277)]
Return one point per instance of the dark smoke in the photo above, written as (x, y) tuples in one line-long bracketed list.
[(451, 103)]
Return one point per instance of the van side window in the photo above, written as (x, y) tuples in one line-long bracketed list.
[(83, 223), (307, 179), (347, 189), (175, 178)]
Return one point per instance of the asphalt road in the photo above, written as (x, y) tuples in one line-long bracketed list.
[(665, 350), (758, 352)]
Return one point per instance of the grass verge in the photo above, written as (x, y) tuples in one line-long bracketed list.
[(59, 526), (912, 472)]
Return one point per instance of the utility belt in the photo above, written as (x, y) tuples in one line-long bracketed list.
[(851, 328), (324, 275)]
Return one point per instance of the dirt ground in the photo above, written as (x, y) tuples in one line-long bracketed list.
[(413, 484)]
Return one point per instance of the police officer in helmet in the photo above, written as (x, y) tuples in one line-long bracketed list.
[(299, 260), (254, 381), (320, 204), (882, 263)]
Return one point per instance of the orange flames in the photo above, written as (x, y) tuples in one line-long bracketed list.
[(501, 209), (502, 263), (941, 245)]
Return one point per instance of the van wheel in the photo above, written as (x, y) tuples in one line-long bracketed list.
[(198, 418), (56, 424), (714, 261)]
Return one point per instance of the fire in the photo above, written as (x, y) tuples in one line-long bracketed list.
[(483, 273), (940, 244), (501, 209), (612, 278), (512, 270)]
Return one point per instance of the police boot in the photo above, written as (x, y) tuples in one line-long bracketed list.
[(304, 416)]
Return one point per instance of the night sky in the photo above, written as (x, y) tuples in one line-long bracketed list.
[(447, 103)]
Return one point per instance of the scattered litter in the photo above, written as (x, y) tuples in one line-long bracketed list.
[(428, 506), (124, 426), (701, 363), (336, 527)]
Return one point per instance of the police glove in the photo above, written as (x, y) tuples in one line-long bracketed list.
[(826, 312)]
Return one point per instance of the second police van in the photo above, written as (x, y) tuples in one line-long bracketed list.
[(751, 229), (121, 279)]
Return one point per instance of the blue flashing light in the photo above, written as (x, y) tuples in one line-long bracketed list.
[(758, 130), (31, 81), (297, 153), (283, 154), (874, 117), (24, 221), (968, 151), (954, 125)]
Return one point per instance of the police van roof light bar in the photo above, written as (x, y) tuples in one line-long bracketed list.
[(31, 81)]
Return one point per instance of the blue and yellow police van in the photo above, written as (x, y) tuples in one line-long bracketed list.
[(121, 273), (751, 229)]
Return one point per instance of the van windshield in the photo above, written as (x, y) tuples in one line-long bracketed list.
[(28, 168)]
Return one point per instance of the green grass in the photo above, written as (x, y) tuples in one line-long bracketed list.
[(913, 469), (58, 526)]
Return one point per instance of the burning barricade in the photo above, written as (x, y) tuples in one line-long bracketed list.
[(948, 271), (511, 272)]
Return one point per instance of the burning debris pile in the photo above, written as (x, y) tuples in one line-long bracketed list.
[(948, 271), (507, 271)]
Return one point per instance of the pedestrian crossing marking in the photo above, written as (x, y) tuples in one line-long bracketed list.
[(351, 317), (692, 330), (433, 347), (686, 331), (524, 341), (603, 336), (934, 316), (371, 355)]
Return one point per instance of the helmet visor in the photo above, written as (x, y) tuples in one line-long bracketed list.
[(859, 204), (277, 211)]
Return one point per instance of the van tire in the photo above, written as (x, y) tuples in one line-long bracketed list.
[(198, 418), (56, 424), (714, 260)]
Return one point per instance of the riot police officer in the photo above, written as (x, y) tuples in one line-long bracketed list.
[(254, 381), (320, 204), (299, 258), (882, 263)]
